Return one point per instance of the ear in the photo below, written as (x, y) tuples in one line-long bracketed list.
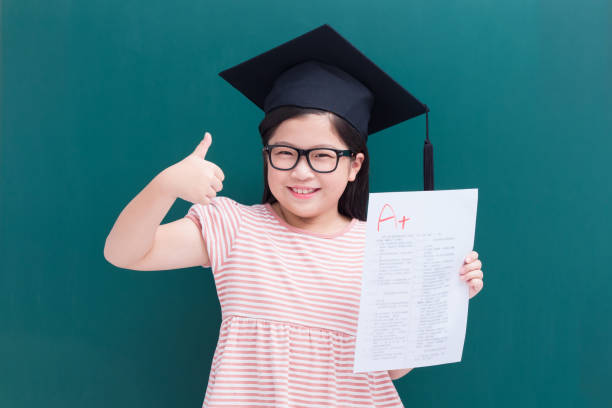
[(355, 166)]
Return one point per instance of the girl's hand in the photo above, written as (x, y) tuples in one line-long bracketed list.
[(472, 274), (194, 179)]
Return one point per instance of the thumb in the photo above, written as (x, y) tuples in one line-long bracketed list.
[(202, 148)]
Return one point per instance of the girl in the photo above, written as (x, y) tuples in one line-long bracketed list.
[(287, 271)]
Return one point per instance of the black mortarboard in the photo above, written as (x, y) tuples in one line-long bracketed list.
[(321, 69)]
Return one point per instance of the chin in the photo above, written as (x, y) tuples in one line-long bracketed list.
[(303, 210)]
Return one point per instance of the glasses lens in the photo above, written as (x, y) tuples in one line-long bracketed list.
[(323, 159), (283, 157)]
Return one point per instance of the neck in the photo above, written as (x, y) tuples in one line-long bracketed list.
[(328, 223)]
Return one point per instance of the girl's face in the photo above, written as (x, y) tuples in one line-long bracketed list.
[(306, 132)]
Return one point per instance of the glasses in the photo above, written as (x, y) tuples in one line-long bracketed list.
[(321, 159)]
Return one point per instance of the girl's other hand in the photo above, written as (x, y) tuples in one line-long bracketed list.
[(194, 178), (471, 273)]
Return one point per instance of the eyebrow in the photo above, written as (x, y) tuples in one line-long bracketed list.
[(319, 145)]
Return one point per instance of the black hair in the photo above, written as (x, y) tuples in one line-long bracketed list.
[(354, 200)]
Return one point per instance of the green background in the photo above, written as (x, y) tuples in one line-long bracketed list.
[(100, 96)]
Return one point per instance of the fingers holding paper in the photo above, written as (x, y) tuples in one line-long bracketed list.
[(471, 273)]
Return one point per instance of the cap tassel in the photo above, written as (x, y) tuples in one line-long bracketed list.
[(428, 180)]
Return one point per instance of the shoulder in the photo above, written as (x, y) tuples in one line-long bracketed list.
[(220, 203), (227, 205), (360, 225)]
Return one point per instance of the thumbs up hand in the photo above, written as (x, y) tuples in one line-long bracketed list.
[(194, 178)]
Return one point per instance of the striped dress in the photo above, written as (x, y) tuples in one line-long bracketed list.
[(289, 307)]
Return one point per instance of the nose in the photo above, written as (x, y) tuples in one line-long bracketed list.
[(302, 169)]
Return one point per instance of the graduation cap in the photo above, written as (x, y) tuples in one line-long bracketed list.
[(321, 69)]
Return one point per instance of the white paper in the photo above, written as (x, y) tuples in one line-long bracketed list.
[(413, 308)]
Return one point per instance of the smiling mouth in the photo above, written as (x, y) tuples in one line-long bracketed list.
[(303, 190), (303, 194)]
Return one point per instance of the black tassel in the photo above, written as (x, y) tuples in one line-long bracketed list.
[(428, 176)]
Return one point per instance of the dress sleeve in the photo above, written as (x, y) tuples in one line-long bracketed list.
[(219, 223)]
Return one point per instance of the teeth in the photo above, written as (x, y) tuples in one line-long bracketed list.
[(299, 191)]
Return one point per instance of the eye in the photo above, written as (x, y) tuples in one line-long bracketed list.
[(282, 151), (323, 155)]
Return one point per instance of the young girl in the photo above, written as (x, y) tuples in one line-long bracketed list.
[(287, 271)]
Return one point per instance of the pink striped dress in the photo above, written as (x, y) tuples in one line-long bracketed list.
[(289, 305)]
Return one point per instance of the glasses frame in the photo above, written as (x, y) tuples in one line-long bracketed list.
[(306, 152)]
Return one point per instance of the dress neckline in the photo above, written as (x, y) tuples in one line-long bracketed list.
[(290, 227)]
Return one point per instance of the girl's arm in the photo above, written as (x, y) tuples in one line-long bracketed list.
[(396, 374), (137, 242)]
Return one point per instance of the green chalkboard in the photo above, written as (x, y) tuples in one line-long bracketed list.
[(98, 97)]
